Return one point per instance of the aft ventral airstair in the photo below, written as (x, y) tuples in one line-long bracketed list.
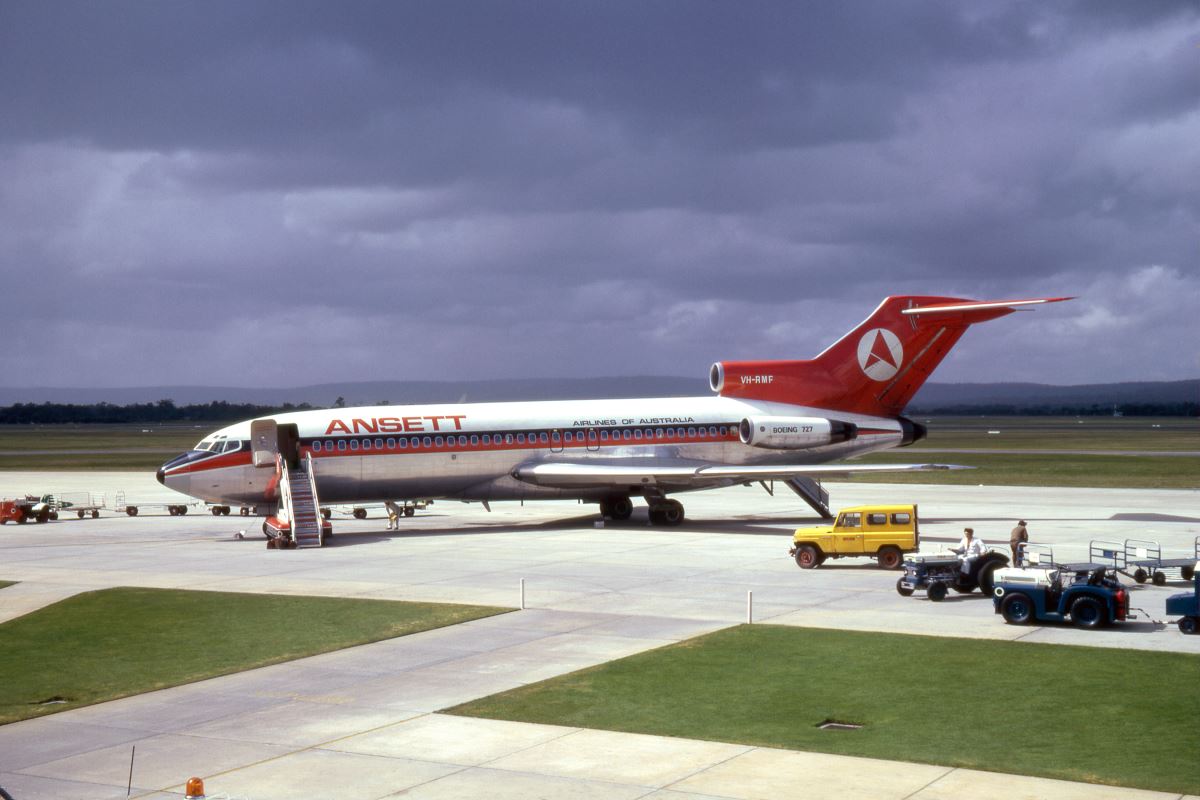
[(298, 522)]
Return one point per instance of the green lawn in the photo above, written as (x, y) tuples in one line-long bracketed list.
[(6, 583), (1038, 469), (1122, 717), (118, 642)]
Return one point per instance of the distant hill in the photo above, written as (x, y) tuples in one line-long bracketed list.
[(933, 396)]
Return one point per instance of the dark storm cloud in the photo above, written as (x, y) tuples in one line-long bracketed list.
[(467, 189)]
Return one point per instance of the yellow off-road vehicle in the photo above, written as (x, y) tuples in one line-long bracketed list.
[(885, 532)]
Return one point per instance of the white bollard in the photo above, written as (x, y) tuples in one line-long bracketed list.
[(522, 594), (749, 607)]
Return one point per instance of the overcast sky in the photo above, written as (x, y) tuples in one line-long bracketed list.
[(254, 193)]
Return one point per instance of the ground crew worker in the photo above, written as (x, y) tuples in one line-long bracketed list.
[(393, 512), (1017, 540), (969, 548)]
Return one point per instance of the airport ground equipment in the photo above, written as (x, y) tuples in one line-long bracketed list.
[(1187, 604), (298, 521), (27, 509), (885, 533), (81, 504), (937, 574), (1144, 557), (123, 506), (407, 507), (1088, 598)]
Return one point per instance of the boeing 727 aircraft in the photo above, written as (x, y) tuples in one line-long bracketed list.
[(768, 420)]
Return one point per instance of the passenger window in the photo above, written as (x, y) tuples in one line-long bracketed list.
[(568, 436), (901, 518), (851, 520), (877, 519), (487, 438), (449, 441), (545, 439), (637, 434), (555, 436), (520, 438), (427, 442), (403, 443), (316, 446), (724, 431), (354, 444), (508, 438), (591, 436), (692, 432), (474, 439), (366, 445), (604, 436), (379, 444), (341, 444), (438, 441)]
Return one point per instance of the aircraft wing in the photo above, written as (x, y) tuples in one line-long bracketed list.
[(574, 475)]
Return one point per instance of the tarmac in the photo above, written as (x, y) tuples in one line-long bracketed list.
[(364, 722)]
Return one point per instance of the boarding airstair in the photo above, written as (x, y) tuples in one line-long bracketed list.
[(298, 501)]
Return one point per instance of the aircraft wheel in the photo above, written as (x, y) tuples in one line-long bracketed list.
[(1017, 609), (79, 514), (936, 591), (95, 515), (216, 511), (1160, 579), (182, 510), (902, 590), (672, 512), (618, 508)]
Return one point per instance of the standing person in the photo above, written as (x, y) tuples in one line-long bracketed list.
[(393, 512), (969, 548), (1017, 540)]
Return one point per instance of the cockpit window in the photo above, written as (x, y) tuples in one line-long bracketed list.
[(205, 445)]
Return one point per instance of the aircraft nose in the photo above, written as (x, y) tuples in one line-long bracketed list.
[(160, 475)]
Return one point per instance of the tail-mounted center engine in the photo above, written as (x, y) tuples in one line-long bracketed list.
[(795, 433)]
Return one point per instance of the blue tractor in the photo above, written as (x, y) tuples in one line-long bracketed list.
[(1187, 605), (1089, 598)]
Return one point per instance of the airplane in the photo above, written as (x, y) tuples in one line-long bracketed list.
[(767, 421)]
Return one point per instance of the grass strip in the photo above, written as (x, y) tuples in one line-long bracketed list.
[(1121, 717), (3, 584), (1040, 469), (113, 643)]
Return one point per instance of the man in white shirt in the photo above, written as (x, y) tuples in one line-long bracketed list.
[(969, 548)]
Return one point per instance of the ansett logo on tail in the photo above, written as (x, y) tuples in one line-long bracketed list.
[(880, 354)]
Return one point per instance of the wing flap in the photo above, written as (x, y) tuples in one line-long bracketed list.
[(575, 475)]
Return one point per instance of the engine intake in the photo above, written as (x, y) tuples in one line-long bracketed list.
[(795, 433)]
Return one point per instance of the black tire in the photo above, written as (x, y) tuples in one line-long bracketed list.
[(43, 516), (360, 513), (1187, 573), (936, 591), (21, 520), (656, 516), (1140, 575), (182, 510), (79, 514), (409, 511), (889, 557), (962, 588), (807, 557), (95, 515), (1088, 612), (617, 508), (216, 511), (173, 510), (53, 515), (1017, 609), (131, 511), (902, 590), (1187, 625), (1160, 578), (672, 511), (987, 578)]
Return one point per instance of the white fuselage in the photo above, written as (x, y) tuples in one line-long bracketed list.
[(470, 451)]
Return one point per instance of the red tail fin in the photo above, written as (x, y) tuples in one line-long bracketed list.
[(877, 367)]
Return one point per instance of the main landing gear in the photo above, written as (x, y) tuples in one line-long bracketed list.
[(662, 511)]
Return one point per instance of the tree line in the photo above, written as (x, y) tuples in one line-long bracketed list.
[(1180, 409), (161, 411)]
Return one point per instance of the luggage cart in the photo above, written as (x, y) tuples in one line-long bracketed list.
[(1101, 553), (1145, 557), (131, 509)]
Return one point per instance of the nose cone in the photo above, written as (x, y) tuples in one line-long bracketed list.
[(160, 475)]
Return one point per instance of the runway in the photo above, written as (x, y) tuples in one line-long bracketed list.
[(361, 722)]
